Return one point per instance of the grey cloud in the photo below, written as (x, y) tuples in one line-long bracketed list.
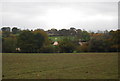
[(27, 11)]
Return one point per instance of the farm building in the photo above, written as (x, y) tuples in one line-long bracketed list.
[(55, 43)]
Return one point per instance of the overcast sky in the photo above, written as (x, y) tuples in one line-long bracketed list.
[(46, 15)]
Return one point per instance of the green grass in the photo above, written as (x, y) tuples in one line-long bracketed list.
[(60, 66), (60, 38)]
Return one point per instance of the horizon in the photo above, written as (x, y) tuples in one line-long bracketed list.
[(100, 31)]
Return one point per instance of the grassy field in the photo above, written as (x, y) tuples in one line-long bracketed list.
[(60, 66), (60, 38)]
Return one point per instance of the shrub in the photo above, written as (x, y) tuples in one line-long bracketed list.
[(83, 48), (67, 46), (47, 49)]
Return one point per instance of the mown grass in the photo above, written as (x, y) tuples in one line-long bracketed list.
[(60, 38), (60, 66)]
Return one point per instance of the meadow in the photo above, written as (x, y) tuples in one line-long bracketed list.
[(60, 38), (60, 66)]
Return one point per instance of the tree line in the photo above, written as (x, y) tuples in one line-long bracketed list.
[(75, 41)]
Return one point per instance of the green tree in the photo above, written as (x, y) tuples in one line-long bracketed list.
[(67, 46), (32, 41), (25, 41), (115, 39), (82, 35), (44, 35), (9, 44), (85, 36), (5, 31), (15, 30), (99, 43)]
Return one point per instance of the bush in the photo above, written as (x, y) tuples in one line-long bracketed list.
[(83, 48), (47, 49), (67, 46)]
